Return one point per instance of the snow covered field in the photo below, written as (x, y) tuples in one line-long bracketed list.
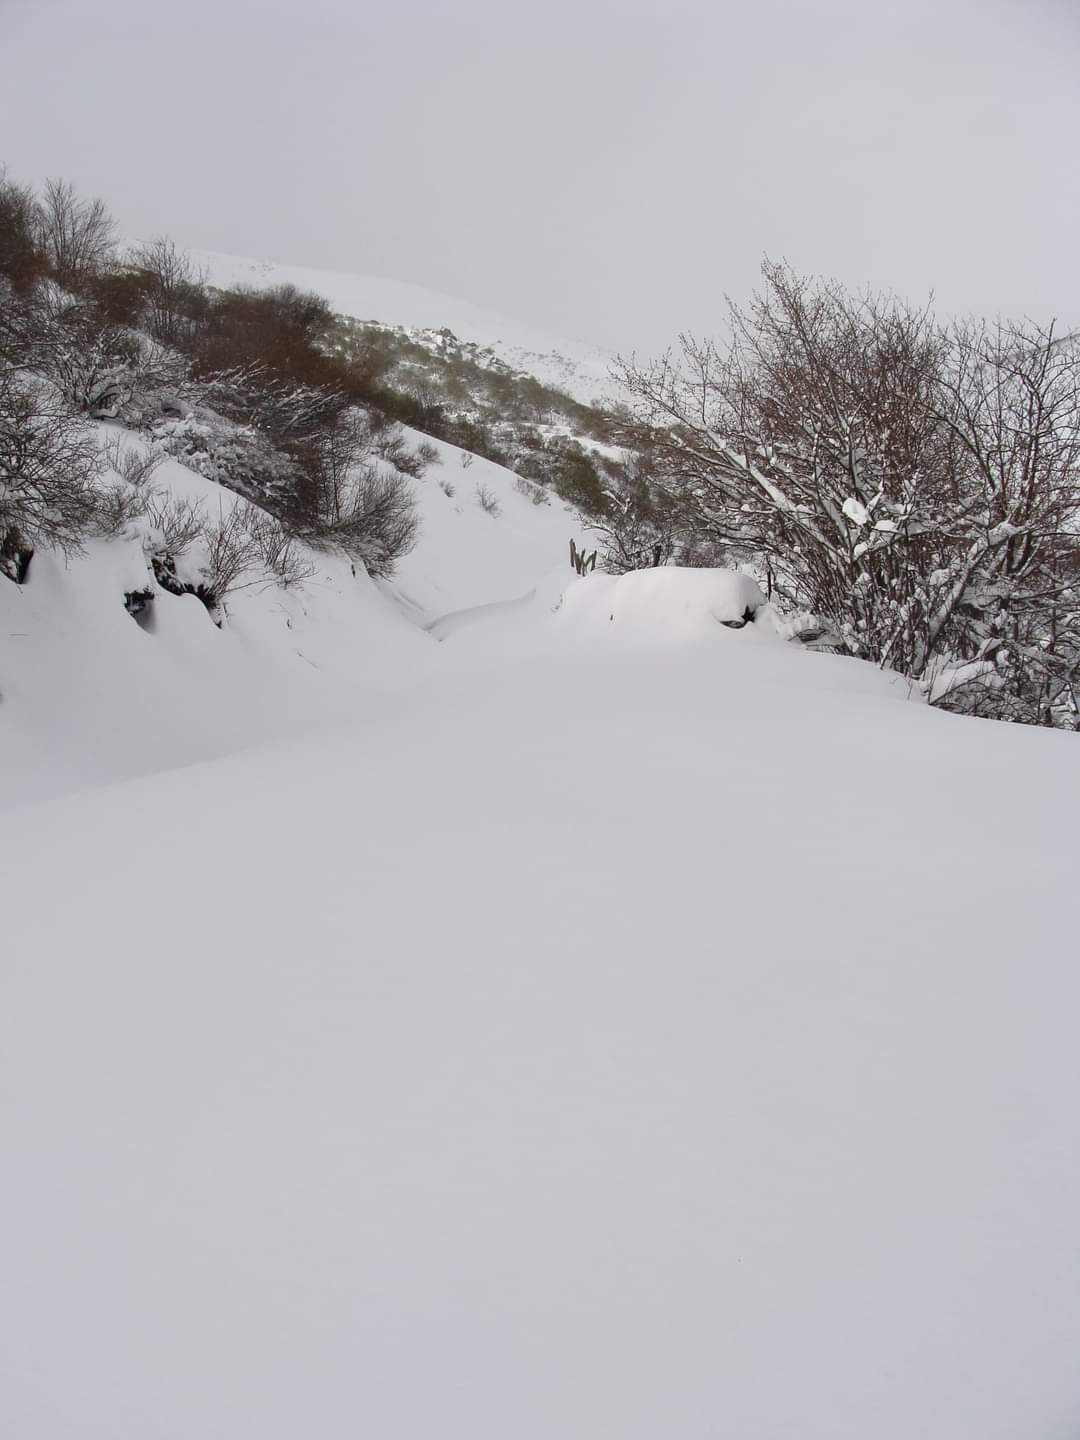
[(581, 1020)]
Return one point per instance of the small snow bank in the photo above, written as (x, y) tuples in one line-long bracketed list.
[(671, 601), (661, 606)]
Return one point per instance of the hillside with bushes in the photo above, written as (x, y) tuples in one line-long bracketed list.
[(471, 963)]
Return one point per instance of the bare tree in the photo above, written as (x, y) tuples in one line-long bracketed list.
[(173, 286), (77, 237)]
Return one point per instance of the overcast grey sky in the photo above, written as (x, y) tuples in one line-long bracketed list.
[(608, 170)]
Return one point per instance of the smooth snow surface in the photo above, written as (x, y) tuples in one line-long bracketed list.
[(630, 1029), (580, 369)]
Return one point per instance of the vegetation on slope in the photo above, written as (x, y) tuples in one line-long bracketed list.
[(911, 488)]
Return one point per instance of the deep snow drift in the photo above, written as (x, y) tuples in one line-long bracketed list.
[(613, 1027)]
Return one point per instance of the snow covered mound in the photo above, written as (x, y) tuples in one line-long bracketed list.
[(580, 369), (673, 601), (647, 608)]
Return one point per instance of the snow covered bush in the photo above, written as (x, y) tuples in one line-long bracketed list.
[(192, 554), (278, 552), (49, 465), (370, 514), (915, 486), (236, 456), (351, 491), (135, 464), (103, 370)]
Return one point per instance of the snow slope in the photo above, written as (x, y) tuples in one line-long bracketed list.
[(87, 697), (581, 369), (466, 556), (618, 1027)]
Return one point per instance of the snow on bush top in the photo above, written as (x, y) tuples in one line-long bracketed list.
[(671, 600)]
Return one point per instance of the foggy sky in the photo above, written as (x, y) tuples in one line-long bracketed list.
[(606, 170)]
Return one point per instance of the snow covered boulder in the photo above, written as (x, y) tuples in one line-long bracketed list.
[(672, 601)]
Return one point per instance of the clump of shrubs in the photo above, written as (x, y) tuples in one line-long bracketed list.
[(240, 385), (487, 501)]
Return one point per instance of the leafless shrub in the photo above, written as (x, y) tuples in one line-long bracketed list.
[(448, 488), (103, 370), (467, 458), (49, 464), (353, 494), (135, 464), (231, 551), (117, 509), (533, 492), (246, 547), (371, 516), (390, 445), (487, 501), (175, 523), (278, 552), (644, 525)]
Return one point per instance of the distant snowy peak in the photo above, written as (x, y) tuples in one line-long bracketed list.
[(582, 370)]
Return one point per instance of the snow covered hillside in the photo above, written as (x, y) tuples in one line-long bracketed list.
[(578, 1019), (88, 696), (581, 370)]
